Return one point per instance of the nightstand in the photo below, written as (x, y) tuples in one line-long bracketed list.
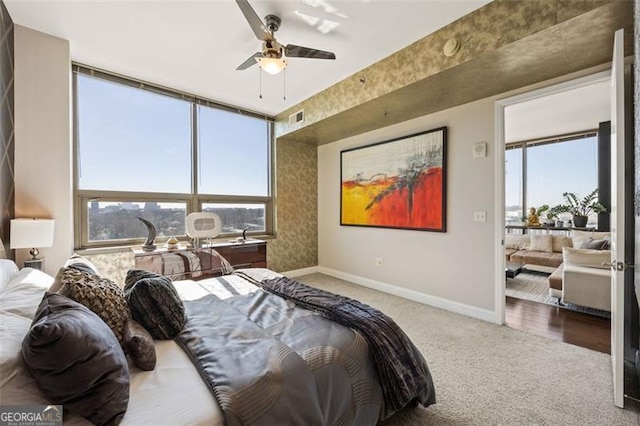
[(34, 263)]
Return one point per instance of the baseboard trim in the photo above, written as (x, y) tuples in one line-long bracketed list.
[(416, 296), (299, 272)]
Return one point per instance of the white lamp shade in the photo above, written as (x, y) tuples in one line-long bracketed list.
[(30, 233)]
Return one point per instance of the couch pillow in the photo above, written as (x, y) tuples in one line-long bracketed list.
[(101, 295), (139, 346), (585, 257), (154, 303), (591, 244), (579, 237), (541, 243), (559, 241), (77, 262), (8, 270), (77, 361), (517, 242)]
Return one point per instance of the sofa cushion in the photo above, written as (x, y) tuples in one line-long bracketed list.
[(585, 257), (537, 258), (541, 243), (559, 241), (508, 252)]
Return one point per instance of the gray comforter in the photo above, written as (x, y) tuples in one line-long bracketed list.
[(270, 362)]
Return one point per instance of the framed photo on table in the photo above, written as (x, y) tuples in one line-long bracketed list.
[(400, 183)]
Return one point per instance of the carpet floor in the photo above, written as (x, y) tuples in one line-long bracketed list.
[(530, 285), (485, 374)]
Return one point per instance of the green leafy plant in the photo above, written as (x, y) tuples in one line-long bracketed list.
[(543, 208), (579, 207)]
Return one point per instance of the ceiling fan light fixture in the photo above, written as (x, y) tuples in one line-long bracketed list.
[(272, 65)]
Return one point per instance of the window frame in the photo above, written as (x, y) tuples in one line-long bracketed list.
[(193, 200)]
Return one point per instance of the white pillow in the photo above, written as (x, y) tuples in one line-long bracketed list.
[(8, 270), (24, 292), (541, 243), (585, 257), (580, 237), (516, 241)]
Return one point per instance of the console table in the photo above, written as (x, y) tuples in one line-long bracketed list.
[(188, 262), (525, 228)]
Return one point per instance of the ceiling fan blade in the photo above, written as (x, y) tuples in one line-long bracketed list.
[(251, 60), (293, 51), (254, 21)]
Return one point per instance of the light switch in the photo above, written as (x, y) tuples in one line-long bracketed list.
[(479, 216)]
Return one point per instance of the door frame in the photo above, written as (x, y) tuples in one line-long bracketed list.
[(499, 220)]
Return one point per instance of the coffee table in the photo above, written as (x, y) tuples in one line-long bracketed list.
[(512, 269)]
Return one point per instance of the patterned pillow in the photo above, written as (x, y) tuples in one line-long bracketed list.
[(154, 303), (101, 295)]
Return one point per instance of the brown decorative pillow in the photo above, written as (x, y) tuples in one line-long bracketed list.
[(139, 346), (77, 361), (101, 295)]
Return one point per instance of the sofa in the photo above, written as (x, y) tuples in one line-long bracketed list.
[(540, 252), (582, 279), (578, 275)]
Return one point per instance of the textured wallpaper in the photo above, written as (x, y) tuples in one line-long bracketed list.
[(7, 186), (296, 245)]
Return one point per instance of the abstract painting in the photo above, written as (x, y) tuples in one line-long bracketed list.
[(399, 183)]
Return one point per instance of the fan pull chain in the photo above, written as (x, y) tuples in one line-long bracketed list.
[(260, 73), (284, 85)]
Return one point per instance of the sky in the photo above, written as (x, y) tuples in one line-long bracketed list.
[(134, 140), (552, 169)]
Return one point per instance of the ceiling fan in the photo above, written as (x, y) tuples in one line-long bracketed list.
[(271, 57)]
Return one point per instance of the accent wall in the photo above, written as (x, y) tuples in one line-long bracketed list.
[(7, 133)]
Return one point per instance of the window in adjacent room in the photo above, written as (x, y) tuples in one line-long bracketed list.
[(146, 151), (539, 172)]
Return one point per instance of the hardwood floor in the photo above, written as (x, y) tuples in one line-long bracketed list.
[(557, 323)]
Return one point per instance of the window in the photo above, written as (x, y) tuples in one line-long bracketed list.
[(550, 168), (145, 151)]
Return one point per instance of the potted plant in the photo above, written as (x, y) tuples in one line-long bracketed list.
[(579, 208)]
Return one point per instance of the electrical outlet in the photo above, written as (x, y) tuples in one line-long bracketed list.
[(379, 262), (479, 216)]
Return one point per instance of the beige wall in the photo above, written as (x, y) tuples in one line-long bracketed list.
[(43, 138), (457, 265)]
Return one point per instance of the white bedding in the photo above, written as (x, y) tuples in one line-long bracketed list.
[(172, 394)]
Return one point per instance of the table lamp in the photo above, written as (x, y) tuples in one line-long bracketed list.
[(32, 233)]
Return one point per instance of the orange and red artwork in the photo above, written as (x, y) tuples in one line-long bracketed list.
[(399, 183)]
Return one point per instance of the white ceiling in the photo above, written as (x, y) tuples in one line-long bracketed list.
[(558, 114), (195, 46)]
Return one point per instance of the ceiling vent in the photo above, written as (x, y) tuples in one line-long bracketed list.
[(296, 117)]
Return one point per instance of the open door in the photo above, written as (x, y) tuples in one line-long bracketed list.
[(617, 217)]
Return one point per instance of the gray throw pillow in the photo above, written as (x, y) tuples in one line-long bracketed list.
[(77, 361), (592, 244), (139, 346), (154, 303)]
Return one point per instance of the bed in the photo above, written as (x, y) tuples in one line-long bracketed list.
[(344, 389)]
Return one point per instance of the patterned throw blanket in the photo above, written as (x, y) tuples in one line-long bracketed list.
[(404, 375)]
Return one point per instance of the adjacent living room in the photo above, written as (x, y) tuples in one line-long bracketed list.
[(556, 168)]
